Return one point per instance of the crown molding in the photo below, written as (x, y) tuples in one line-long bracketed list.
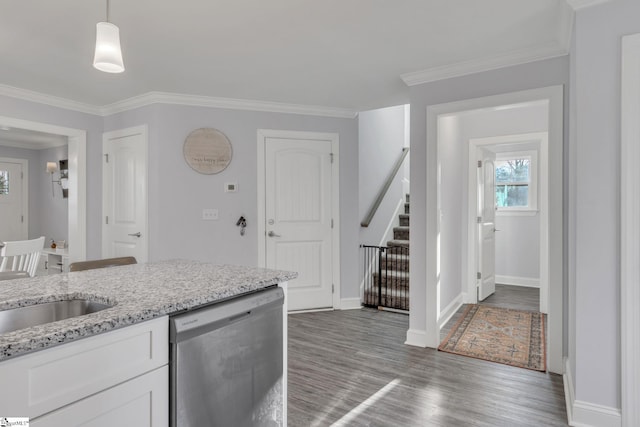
[(54, 101), (225, 103), (175, 99), (550, 50), (581, 4)]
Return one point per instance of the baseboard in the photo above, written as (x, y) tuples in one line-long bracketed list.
[(528, 282), (585, 414), (416, 338), (450, 310), (350, 304)]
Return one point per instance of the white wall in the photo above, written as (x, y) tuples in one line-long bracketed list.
[(48, 215), (381, 136), (423, 159), (177, 194), (596, 70)]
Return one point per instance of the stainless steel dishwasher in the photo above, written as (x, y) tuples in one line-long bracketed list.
[(226, 363)]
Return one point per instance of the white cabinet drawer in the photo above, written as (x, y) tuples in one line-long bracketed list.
[(143, 401), (37, 383)]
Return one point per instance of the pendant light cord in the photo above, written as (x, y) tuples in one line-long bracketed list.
[(107, 10)]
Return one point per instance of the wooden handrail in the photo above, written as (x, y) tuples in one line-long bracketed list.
[(383, 191)]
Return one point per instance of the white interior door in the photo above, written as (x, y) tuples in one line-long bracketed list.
[(298, 197), (486, 223), (125, 230), (13, 197)]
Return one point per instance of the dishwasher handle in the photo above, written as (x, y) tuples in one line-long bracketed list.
[(199, 321)]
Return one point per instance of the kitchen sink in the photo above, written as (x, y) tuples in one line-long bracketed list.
[(39, 314)]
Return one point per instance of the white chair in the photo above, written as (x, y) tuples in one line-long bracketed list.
[(22, 255)]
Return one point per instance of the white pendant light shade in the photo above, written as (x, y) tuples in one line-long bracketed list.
[(108, 57)]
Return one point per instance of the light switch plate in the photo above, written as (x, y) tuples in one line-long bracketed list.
[(210, 214)]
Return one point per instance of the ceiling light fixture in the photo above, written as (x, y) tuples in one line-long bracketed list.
[(108, 56)]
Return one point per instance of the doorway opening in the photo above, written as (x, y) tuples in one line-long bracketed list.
[(451, 233), (76, 142)]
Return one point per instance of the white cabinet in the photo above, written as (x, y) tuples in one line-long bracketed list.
[(142, 401), (45, 381)]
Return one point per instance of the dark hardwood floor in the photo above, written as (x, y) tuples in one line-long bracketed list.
[(352, 368), (517, 297)]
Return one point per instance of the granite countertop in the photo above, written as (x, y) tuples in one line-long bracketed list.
[(138, 292)]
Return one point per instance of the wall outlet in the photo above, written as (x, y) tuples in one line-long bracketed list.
[(210, 214), (230, 187)]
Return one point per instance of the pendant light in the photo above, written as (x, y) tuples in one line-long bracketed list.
[(108, 56)]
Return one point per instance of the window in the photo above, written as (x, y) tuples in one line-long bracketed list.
[(516, 181), (4, 182)]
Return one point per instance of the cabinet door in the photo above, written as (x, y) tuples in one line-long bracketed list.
[(143, 401)]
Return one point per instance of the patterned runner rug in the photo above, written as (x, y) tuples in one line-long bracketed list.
[(511, 337)]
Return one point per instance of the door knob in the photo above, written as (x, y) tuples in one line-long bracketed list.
[(138, 234), (272, 234)]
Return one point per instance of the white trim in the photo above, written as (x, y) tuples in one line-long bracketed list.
[(394, 222), (350, 304), (539, 192), (547, 51), (569, 392), (525, 282), (417, 338), (581, 4), (565, 28), (584, 414), (24, 163), (517, 212), (106, 200), (450, 310), (77, 153), (53, 101), (554, 95), (151, 98), (262, 136), (630, 232)]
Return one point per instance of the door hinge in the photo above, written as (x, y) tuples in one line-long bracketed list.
[(106, 158), (331, 222), (21, 175), (106, 220), (333, 288), (331, 157), (479, 163), (21, 218), (479, 275), (479, 219)]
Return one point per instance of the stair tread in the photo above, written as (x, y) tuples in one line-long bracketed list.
[(394, 273), (401, 227), (398, 243)]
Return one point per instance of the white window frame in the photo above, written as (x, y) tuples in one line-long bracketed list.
[(532, 206)]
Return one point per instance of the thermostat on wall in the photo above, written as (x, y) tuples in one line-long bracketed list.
[(230, 187)]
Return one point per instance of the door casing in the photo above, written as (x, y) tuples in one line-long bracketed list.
[(263, 135)]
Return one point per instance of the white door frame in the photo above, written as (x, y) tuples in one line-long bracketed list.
[(106, 201), (25, 193), (630, 232), (77, 145), (554, 95), (542, 207), (263, 134)]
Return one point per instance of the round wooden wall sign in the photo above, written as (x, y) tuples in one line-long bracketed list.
[(207, 151)]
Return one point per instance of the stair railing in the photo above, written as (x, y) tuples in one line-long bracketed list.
[(383, 191)]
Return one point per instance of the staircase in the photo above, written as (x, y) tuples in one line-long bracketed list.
[(393, 272)]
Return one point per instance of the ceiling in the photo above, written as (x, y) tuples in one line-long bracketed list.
[(33, 140), (345, 54)]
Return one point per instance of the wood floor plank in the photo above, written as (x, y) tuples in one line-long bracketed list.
[(353, 368)]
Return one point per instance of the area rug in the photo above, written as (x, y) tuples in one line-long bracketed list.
[(511, 337)]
